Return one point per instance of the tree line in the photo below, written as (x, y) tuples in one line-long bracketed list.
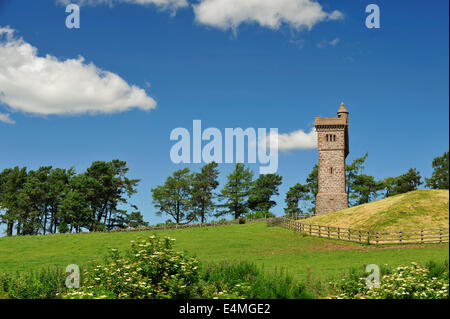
[(51, 200), (190, 196)]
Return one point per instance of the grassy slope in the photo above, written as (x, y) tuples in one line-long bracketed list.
[(415, 210), (271, 247)]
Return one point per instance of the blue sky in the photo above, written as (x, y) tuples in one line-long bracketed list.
[(393, 80)]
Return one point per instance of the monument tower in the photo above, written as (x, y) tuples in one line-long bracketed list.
[(332, 144)]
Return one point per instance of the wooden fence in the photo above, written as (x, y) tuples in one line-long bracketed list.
[(422, 236)]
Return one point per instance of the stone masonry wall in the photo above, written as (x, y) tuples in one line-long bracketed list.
[(332, 194)]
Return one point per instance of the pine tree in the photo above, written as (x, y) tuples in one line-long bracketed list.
[(235, 193)]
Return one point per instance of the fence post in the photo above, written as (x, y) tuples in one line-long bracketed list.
[(310, 229), (339, 233), (359, 233), (440, 235), (349, 236), (319, 230), (328, 231), (377, 238), (421, 236), (401, 238), (368, 238)]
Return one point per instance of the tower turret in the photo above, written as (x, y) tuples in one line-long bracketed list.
[(342, 112)]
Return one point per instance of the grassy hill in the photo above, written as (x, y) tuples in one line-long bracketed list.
[(410, 211), (273, 248)]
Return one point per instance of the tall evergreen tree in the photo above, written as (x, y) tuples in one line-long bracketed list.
[(107, 187), (263, 188), (236, 191), (174, 197), (312, 183), (12, 203), (297, 193), (352, 171), (202, 193), (365, 189), (439, 179), (75, 205)]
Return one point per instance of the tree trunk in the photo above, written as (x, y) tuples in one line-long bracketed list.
[(9, 228)]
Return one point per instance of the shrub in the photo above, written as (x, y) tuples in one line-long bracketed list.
[(246, 280), (151, 269), (44, 284), (403, 282)]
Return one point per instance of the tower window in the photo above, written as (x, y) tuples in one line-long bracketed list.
[(327, 137), (331, 170), (334, 138)]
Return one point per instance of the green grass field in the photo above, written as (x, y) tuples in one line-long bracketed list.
[(270, 247)]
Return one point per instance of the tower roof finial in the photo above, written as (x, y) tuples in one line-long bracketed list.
[(342, 109)]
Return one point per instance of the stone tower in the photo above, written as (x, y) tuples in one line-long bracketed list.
[(332, 143)]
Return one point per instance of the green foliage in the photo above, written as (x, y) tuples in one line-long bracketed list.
[(151, 269), (361, 188), (12, 201), (365, 189), (202, 191), (404, 183), (297, 193), (171, 275), (236, 191), (49, 200), (136, 220), (439, 179), (107, 186), (353, 170), (246, 280), (312, 182), (263, 188), (44, 284), (403, 282), (173, 198)]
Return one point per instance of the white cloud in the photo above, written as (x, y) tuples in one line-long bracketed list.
[(46, 85), (334, 42), (171, 5), (325, 43), (296, 140), (229, 14), (6, 119)]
